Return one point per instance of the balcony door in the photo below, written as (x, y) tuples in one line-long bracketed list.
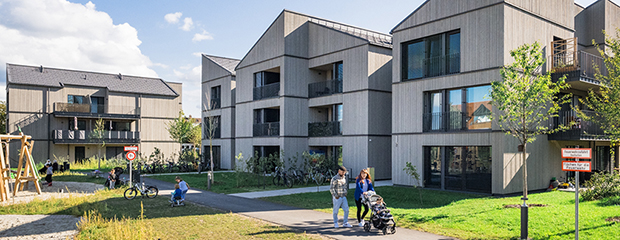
[(80, 154), (96, 105)]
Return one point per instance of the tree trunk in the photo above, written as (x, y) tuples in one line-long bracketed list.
[(524, 169), (211, 154), (99, 158)]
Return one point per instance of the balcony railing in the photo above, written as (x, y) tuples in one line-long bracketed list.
[(577, 66), (216, 103), (267, 91), (324, 129), (267, 129), (324, 88), (86, 110), (444, 121), (578, 128), (83, 137)]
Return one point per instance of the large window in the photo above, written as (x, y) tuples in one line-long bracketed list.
[(432, 56), (460, 168), (96, 104), (266, 122), (464, 109), (266, 85), (74, 99), (216, 95)]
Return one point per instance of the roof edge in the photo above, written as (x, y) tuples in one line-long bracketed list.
[(344, 24), (81, 71), (261, 37), (408, 16), (351, 35), (220, 65)]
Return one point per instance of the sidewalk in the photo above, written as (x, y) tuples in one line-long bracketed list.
[(290, 191), (298, 219)]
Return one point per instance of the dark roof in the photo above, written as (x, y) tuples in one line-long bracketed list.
[(53, 77), (373, 38), (227, 64)]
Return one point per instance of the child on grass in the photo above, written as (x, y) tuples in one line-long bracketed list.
[(177, 194), (48, 177)]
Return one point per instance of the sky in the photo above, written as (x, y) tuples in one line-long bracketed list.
[(164, 39)]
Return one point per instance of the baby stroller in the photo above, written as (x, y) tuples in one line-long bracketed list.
[(380, 216)]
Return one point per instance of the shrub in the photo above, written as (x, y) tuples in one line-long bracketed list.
[(601, 185)]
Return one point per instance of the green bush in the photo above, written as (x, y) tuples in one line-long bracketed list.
[(601, 185), (188, 156)]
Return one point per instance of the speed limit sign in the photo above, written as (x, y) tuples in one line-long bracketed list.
[(131, 156)]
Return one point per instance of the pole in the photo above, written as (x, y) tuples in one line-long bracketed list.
[(577, 205), (130, 173)]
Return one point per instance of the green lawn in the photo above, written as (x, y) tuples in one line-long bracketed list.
[(468, 216), (226, 182), (160, 221), (74, 176)]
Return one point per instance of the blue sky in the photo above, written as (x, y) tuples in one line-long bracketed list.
[(162, 38)]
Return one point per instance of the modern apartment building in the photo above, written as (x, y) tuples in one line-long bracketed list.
[(446, 54), (218, 101), (310, 84), (59, 109)]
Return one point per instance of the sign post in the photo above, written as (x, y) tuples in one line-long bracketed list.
[(131, 155), (576, 166)]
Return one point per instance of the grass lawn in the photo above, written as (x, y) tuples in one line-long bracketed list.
[(111, 215), (468, 216), (226, 182)]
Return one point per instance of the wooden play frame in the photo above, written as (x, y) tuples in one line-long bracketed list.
[(26, 170)]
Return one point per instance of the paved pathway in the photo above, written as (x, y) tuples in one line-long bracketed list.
[(299, 219), (290, 191)]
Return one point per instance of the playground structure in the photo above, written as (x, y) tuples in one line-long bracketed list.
[(26, 169)]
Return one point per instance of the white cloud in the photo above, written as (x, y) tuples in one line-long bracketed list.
[(202, 36), (69, 35), (190, 76), (188, 24), (197, 54), (173, 17)]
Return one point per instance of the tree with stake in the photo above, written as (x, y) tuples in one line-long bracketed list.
[(211, 126), (97, 135), (526, 99), (412, 171), (606, 102)]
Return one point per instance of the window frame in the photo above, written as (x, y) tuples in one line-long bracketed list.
[(444, 52)]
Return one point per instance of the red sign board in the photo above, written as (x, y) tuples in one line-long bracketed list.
[(577, 166), (131, 148), (577, 153), (131, 156)]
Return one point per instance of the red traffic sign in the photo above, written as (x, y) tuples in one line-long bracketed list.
[(131, 156), (576, 166), (579, 153), (131, 148)]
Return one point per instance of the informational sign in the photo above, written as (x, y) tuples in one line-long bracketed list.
[(577, 153), (131, 148), (131, 156), (574, 166)]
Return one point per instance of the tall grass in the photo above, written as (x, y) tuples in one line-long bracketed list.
[(94, 226), (92, 164)]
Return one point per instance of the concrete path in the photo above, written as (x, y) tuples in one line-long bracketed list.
[(290, 191), (298, 219)]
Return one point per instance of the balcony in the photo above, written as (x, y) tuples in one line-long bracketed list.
[(62, 109), (579, 67), (271, 129), (444, 121), (579, 129), (325, 88), (83, 137), (267, 91), (324, 129)]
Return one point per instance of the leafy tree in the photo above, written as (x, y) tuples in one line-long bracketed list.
[(97, 135), (2, 117), (606, 102), (526, 99), (181, 129)]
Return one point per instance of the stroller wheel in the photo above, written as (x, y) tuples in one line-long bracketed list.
[(385, 230), (392, 229), (367, 227)]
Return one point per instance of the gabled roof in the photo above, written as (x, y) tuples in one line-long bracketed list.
[(54, 77), (227, 64), (373, 38)]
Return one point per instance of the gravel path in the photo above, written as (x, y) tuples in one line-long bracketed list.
[(37, 227)]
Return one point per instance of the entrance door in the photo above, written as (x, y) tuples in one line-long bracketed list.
[(80, 154)]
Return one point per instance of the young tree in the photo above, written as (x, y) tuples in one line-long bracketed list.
[(526, 99), (606, 102), (211, 124), (2, 117), (97, 135), (180, 129)]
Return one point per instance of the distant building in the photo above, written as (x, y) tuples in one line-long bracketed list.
[(59, 108)]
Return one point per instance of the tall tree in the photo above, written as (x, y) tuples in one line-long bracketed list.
[(97, 135), (2, 117), (526, 99), (606, 102), (180, 129)]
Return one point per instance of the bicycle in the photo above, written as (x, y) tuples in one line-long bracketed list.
[(149, 191), (315, 176), (280, 175)]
